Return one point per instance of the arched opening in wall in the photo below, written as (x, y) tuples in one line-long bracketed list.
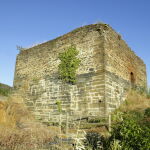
[(132, 78)]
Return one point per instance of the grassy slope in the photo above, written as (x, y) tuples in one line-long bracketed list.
[(4, 89), (18, 128), (135, 102)]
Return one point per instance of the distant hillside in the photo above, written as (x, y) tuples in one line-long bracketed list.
[(4, 89)]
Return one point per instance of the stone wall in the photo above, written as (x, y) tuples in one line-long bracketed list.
[(42, 60), (37, 74), (123, 69), (102, 78), (84, 99)]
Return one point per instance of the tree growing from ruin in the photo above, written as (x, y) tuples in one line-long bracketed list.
[(68, 65)]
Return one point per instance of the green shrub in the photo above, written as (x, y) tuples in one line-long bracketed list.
[(148, 93), (94, 120), (4, 91), (94, 141), (69, 65), (115, 145), (147, 112), (131, 134), (59, 107), (141, 90)]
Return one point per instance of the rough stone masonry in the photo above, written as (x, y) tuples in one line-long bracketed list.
[(108, 69)]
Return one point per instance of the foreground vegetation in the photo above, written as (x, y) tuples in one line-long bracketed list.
[(130, 128), (19, 130), (4, 90)]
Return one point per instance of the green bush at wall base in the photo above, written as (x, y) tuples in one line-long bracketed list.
[(148, 93), (4, 92), (147, 112), (132, 133), (94, 141)]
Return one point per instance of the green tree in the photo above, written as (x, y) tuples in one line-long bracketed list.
[(69, 65)]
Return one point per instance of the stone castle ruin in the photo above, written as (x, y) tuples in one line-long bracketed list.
[(108, 69)]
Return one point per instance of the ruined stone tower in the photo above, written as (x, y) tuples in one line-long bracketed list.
[(108, 69)]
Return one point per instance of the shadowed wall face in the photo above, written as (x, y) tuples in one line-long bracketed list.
[(123, 69), (102, 78)]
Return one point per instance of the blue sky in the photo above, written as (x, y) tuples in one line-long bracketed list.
[(27, 22)]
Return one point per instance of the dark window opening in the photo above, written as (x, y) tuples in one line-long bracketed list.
[(132, 78)]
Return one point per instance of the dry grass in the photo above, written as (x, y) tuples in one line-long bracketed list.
[(135, 101), (19, 130), (13, 112), (35, 136)]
